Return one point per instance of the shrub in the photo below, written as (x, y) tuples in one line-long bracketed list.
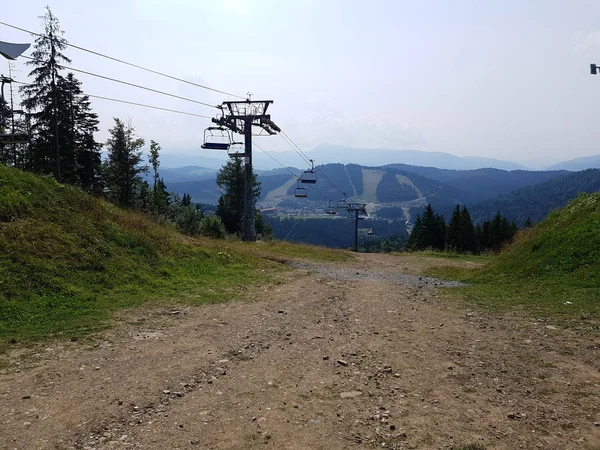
[(212, 226)]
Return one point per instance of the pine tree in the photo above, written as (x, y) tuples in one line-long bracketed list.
[(439, 242), (160, 197), (453, 235), (231, 181), (430, 227), (468, 238), (415, 239), (87, 160), (42, 98), (123, 167)]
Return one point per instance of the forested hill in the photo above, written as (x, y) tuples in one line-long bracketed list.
[(386, 184), (485, 183), (536, 202)]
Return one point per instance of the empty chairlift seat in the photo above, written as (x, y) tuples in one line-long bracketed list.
[(216, 138), (236, 150), (300, 192), (309, 176)]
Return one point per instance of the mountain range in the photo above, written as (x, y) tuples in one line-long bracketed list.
[(328, 153), (400, 191)]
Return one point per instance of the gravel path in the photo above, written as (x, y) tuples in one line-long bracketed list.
[(323, 359), (350, 274)]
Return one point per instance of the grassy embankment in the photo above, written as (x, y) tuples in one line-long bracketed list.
[(552, 269), (67, 260)]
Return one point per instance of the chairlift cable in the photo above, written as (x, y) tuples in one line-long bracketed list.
[(303, 155), (286, 168), (127, 83), (292, 229), (131, 64), (132, 103)]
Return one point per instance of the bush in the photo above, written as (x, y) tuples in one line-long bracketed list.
[(212, 226), (186, 218)]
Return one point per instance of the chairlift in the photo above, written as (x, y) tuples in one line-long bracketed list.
[(309, 176), (236, 150), (343, 203), (300, 192), (216, 138), (371, 232), (331, 209)]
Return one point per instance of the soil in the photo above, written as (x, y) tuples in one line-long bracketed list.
[(361, 354)]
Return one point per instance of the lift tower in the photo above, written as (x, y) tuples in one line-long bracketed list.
[(359, 211), (240, 117)]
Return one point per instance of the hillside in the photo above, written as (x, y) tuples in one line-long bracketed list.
[(556, 264), (537, 201), (392, 183), (68, 259), (483, 183)]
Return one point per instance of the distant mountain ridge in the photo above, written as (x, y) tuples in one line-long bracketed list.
[(379, 157), (577, 164), (331, 153)]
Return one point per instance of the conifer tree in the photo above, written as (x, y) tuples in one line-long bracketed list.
[(231, 180), (468, 238), (453, 235), (160, 197), (41, 98), (124, 166), (86, 150), (415, 239)]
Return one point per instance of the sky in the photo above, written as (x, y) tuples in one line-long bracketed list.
[(503, 79)]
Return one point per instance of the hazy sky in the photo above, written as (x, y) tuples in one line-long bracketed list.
[(507, 79)]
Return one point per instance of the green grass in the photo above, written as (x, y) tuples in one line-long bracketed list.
[(552, 269), (455, 256), (68, 261)]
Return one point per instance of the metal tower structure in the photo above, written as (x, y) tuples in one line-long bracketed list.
[(240, 117)]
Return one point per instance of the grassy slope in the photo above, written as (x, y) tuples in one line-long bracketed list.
[(67, 260), (552, 269)]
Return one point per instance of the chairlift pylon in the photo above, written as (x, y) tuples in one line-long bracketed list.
[(309, 176), (216, 138), (300, 192)]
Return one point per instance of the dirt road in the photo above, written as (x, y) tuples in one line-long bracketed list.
[(361, 354)]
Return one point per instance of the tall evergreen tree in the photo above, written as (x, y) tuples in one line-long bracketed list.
[(124, 166), (41, 98), (468, 237), (160, 197), (415, 239), (440, 233), (231, 181), (453, 234), (83, 123)]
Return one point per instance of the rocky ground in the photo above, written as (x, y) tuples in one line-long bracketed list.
[(362, 354)]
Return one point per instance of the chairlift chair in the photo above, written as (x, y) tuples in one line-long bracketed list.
[(371, 232), (309, 176), (343, 203), (300, 192), (331, 210), (236, 150), (216, 138)]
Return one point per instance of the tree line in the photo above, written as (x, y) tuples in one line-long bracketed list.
[(61, 126), (459, 235)]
